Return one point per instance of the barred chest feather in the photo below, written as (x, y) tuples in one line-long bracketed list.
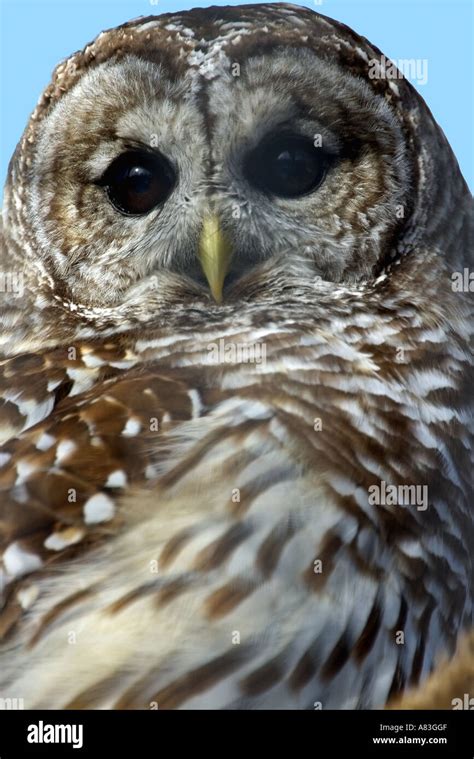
[(185, 531)]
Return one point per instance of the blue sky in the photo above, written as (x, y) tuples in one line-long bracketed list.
[(35, 35)]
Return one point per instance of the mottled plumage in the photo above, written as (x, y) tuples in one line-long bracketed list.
[(197, 532)]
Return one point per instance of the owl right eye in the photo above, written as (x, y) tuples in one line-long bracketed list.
[(136, 182), (288, 166)]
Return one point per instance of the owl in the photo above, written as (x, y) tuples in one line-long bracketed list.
[(236, 375)]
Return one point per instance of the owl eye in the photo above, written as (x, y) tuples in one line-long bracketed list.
[(136, 182), (288, 166)]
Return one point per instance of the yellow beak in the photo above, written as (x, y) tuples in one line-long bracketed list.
[(214, 254)]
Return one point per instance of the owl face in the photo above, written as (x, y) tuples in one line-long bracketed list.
[(299, 162)]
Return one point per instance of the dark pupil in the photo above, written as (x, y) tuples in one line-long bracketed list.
[(137, 182), (287, 166)]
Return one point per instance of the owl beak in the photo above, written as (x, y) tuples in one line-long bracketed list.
[(215, 253)]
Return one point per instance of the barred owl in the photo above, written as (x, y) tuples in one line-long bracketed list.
[(236, 462)]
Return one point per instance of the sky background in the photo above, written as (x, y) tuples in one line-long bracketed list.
[(36, 35)]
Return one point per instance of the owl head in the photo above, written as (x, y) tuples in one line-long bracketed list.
[(222, 152)]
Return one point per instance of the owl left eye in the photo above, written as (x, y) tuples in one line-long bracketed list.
[(136, 182), (288, 166)]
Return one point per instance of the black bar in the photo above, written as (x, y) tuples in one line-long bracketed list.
[(307, 733)]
